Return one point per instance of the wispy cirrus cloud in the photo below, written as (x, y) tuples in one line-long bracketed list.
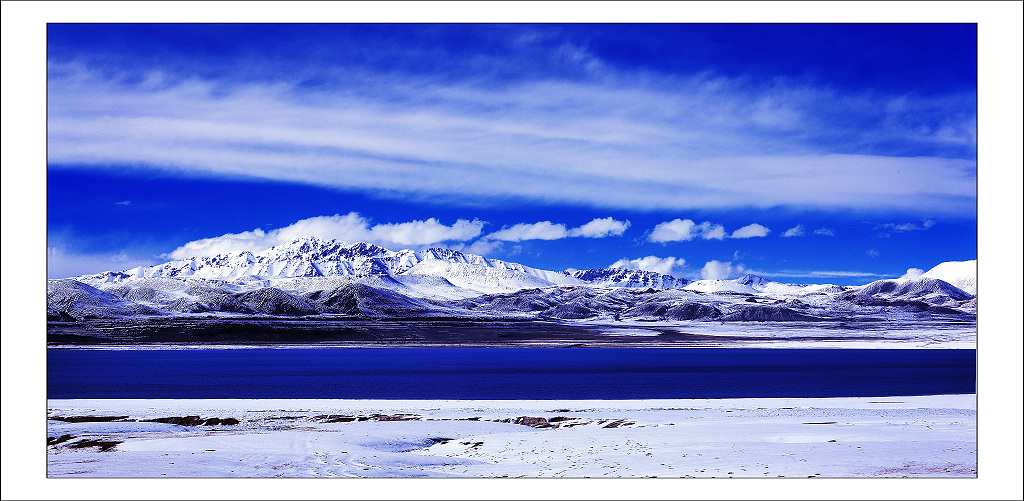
[(825, 274), (885, 230), (800, 230), (63, 262), (796, 231), (719, 270), (661, 142), (904, 227)]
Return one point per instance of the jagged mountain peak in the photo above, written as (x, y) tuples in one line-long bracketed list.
[(752, 280), (315, 257), (625, 277), (447, 254), (453, 273), (320, 249), (367, 249)]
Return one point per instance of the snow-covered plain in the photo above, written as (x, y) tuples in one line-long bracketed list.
[(917, 436)]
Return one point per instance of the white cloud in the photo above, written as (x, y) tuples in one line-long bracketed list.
[(796, 231), (872, 253), (63, 263), (717, 270), (678, 230), (751, 231), (542, 230), (481, 247), (885, 229), (672, 231), (826, 274), (912, 273), (664, 265), (255, 240), (351, 227), (698, 142), (599, 228), (124, 202), (709, 231), (546, 230), (905, 227), (425, 232)]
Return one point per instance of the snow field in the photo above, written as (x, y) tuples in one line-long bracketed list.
[(923, 436)]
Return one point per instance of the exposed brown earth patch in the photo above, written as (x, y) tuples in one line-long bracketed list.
[(194, 421), (58, 440), (88, 419), (104, 445)]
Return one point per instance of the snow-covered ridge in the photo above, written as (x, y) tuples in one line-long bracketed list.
[(312, 257), (317, 277), (622, 277), (962, 274)]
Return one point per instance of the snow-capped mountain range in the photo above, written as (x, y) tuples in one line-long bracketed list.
[(317, 277), (315, 258)]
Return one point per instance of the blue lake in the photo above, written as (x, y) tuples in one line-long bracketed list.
[(507, 373)]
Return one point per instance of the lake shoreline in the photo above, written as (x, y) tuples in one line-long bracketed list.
[(175, 333)]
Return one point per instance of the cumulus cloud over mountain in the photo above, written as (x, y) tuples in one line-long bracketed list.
[(353, 227), (350, 227), (717, 270), (663, 265)]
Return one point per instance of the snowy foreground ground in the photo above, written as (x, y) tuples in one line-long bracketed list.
[(921, 436)]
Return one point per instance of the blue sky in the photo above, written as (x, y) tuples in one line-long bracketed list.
[(805, 153)]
